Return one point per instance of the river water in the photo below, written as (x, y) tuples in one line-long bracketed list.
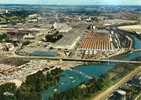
[(72, 78)]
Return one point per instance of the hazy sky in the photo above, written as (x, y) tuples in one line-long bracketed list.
[(73, 2)]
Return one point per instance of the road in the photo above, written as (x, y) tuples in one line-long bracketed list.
[(137, 98), (76, 59), (109, 91)]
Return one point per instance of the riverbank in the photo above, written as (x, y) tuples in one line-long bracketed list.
[(103, 95), (30, 89), (110, 76), (95, 86), (71, 80)]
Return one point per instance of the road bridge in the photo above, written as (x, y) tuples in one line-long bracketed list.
[(77, 59), (135, 50)]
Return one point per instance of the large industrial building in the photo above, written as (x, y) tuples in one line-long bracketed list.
[(93, 42)]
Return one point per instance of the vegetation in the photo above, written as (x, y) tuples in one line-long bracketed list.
[(85, 90), (15, 17), (3, 37), (53, 37), (31, 88), (10, 88), (25, 43), (132, 91)]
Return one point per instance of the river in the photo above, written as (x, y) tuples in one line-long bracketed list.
[(71, 78)]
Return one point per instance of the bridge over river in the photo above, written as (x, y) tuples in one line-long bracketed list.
[(77, 59)]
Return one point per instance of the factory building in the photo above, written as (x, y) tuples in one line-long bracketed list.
[(93, 42)]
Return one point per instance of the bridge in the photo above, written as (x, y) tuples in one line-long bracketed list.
[(135, 50), (76, 59)]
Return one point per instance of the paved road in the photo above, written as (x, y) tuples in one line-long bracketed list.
[(136, 50), (137, 98), (109, 91), (76, 59)]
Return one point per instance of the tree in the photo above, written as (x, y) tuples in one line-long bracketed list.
[(3, 37), (10, 88)]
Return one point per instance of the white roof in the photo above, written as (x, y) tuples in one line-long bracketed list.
[(121, 92)]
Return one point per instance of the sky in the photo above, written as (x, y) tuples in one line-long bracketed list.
[(74, 2)]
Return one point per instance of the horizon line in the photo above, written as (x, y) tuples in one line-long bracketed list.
[(71, 4)]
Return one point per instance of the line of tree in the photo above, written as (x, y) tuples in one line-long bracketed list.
[(32, 87), (90, 88)]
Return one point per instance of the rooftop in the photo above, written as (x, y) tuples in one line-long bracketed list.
[(96, 40)]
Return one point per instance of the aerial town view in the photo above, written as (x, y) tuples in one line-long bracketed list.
[(70, 50)]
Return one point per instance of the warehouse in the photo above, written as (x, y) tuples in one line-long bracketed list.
[(94, 42)]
